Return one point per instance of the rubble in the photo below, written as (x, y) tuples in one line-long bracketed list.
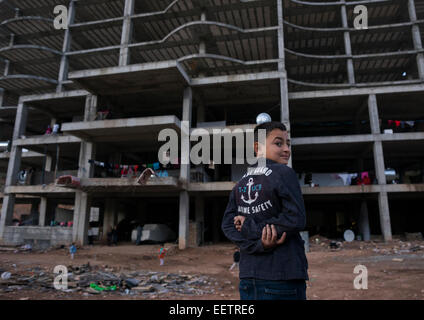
[(5, 275), (414, 236), (397, 246), (16, 249), (94, 280)]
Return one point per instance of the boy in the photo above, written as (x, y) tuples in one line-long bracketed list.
[(162, 252), (264, 215), (73, 250)]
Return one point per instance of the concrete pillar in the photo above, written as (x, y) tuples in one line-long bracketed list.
[(202, 44), (81, 217), (373, 114), (364, 224), (42, 209), (64, 62), (90, 108), (49, 159), (383, 203), (379, 163), (109, 216), (85, 170), (183, 232), (49, 163), (284, 91), (124, 54), (416, 37), (13, 168), (200, 217), (348, 46), (378, 147), (82, 201), (380, 169), (184, 209), (6, 68), (185, 134)]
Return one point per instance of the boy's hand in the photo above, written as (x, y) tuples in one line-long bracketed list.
[(238, 222), (269, 237)]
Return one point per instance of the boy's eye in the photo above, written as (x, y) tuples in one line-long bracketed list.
[(279, 144)]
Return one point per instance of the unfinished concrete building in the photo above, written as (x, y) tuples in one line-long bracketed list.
[(124, 70)]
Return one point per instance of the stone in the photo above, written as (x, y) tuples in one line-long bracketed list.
[(92, 291), (144, 289), (154, 278)]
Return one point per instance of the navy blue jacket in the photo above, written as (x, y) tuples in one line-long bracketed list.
[(268, 195)]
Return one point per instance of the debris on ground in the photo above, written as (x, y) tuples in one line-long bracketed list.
[(6, 275), (397, 246), (16, 249), (7, 249), (414, 236), (334, 245), (88, 279), (330, 272)]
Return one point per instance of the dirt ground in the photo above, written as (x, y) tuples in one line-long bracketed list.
[(395, 269)]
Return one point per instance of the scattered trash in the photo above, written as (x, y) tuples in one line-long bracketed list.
[(349, 236), (417, 248), (6, 275), (418, 236), (102, 288), (95, 280), (26, 247), (131, 283), (334, 245)]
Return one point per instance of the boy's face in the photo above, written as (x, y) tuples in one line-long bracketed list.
[(277, 147)]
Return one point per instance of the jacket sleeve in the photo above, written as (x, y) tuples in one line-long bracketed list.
[(250, 244), (292, 218)]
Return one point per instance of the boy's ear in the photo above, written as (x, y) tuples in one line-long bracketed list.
[(256, 147)]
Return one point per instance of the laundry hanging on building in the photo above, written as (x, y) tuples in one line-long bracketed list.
[(120, 170), (400, 124), (347, 178), (363, 178)]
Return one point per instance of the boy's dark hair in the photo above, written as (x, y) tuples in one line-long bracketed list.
[(268, 126)]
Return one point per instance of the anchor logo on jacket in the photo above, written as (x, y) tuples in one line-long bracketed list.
[(249, 185)]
